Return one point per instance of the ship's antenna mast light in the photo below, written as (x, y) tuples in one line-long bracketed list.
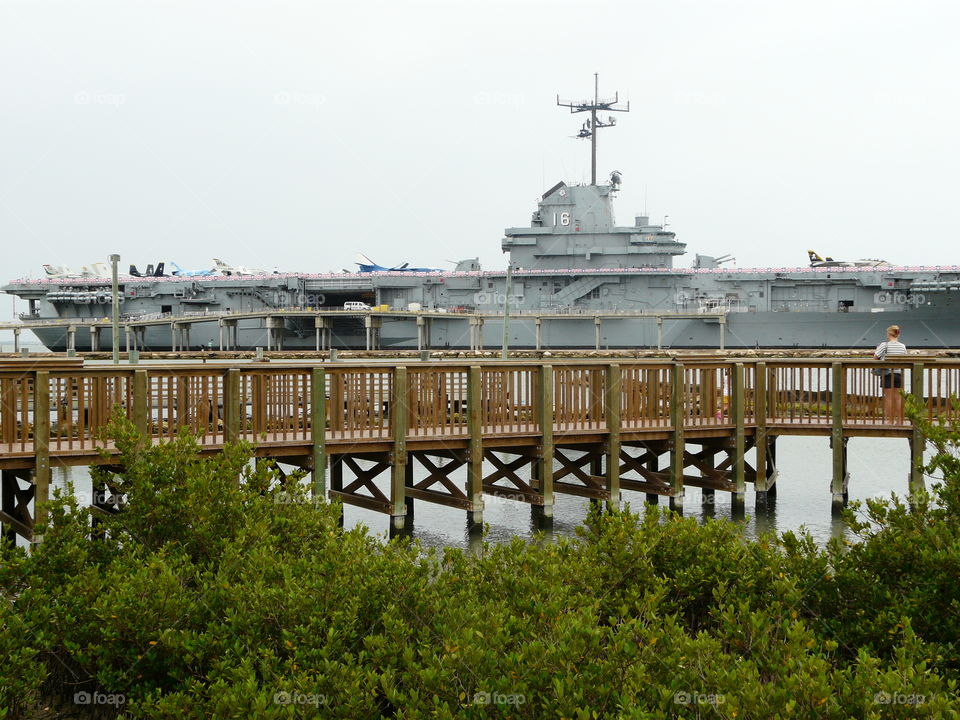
[(590, 127)]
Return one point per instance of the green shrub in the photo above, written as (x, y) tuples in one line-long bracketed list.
[(223, 590)]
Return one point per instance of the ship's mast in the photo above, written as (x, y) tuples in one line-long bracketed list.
[(590, 127)]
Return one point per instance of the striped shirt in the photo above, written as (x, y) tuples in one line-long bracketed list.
[(888, 348)]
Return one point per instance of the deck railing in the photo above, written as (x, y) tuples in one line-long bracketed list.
[(272, 404)]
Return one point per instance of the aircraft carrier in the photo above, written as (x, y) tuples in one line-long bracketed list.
[(574, 279)]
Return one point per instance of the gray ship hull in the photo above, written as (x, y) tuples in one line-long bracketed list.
[(922, 328)]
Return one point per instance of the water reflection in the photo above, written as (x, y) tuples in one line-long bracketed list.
[(765, 513)]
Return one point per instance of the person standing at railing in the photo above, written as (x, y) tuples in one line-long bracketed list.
[(891, 380)]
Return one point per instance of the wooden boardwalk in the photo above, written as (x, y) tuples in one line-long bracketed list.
[(585, 428)]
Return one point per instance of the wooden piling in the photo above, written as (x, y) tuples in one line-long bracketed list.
[(141, 403), (232, 409), (678, 445), (838, 485), (612, 409), (474, 487), (737, 408), (318, 428), (760, 485), (544, 461), (41, 447), (917, 441), (399, 412), (336, 481)]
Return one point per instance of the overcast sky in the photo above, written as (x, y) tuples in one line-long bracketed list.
[(295, 134)]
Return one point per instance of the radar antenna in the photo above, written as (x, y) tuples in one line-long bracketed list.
[(590, 128)]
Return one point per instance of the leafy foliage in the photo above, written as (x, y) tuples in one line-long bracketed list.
[(223, 590)]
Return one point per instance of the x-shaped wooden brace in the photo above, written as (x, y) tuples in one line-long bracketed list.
[(575, 468), (441, 474), (703, 461), (636, 464), (507, 470), (365, 477)]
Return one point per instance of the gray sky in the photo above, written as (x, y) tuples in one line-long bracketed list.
[(295, 134)]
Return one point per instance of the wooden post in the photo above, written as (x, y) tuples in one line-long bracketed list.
[(917, 441), (653, 465), (677, 417), (838, 485), (475, 448), (232, 410), (760, 432), (708, 499), (41, 446), (544, 412), (738, 402), (408, 484), (141, 406), (612, 410), (398, 456), (318, 427), (772, 466), (336, 480)]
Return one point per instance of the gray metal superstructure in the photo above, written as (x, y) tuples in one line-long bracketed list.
[(570, 266)]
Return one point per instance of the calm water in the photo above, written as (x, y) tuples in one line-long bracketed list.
[(877, 466)]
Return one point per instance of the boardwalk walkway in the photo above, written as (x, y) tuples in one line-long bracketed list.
[(590, 429)]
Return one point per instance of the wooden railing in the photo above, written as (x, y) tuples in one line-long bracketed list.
[(645, 399), (358, 402), (272, 403)]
